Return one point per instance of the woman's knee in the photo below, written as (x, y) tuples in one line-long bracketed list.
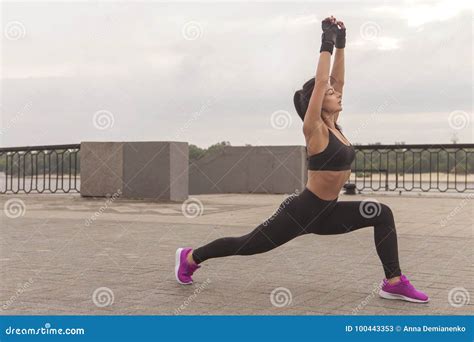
[(253, 243), (386, 211), (375, 211), (386, 214)]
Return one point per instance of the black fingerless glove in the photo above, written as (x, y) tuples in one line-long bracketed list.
[(341, 38), (328, 38)]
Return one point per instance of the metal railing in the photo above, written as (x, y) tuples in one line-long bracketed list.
[(443, 168), (39, 169)]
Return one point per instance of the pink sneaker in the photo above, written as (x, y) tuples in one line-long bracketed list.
[(183, 269), (402, 290)]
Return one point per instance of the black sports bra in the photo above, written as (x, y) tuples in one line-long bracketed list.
[(336, 156)]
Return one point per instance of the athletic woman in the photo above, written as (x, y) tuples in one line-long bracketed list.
[(317, 209)]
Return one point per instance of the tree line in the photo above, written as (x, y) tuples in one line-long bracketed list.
[(401, 160)]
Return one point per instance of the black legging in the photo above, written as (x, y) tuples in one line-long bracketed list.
[(307, 213)]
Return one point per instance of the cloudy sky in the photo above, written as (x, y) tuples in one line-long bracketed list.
[(205, 72)]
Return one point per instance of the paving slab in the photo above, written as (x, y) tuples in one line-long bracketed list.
[(63, 254)]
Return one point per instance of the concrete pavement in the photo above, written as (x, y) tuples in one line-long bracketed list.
[(63, 254)]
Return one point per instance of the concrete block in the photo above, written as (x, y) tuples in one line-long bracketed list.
[(155, 170), (250, 169)]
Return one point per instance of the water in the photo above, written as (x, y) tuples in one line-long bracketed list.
[(55, 183), (376, 184)]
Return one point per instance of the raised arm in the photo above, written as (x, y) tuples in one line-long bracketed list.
[(313, 117), (337, 72)]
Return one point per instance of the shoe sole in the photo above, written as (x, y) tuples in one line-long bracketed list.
[(177, 261), (388, 295)]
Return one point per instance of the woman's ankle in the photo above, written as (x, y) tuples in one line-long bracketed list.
[(393, 280), (189, 258)]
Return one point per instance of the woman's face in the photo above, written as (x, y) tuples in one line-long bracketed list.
[(332, 101)]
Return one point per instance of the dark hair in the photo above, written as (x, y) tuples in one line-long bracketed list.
[(302, 97)]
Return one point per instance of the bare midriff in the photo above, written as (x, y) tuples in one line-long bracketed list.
[(327, 184)]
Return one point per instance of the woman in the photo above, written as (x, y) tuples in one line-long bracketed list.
[(317, 209)]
